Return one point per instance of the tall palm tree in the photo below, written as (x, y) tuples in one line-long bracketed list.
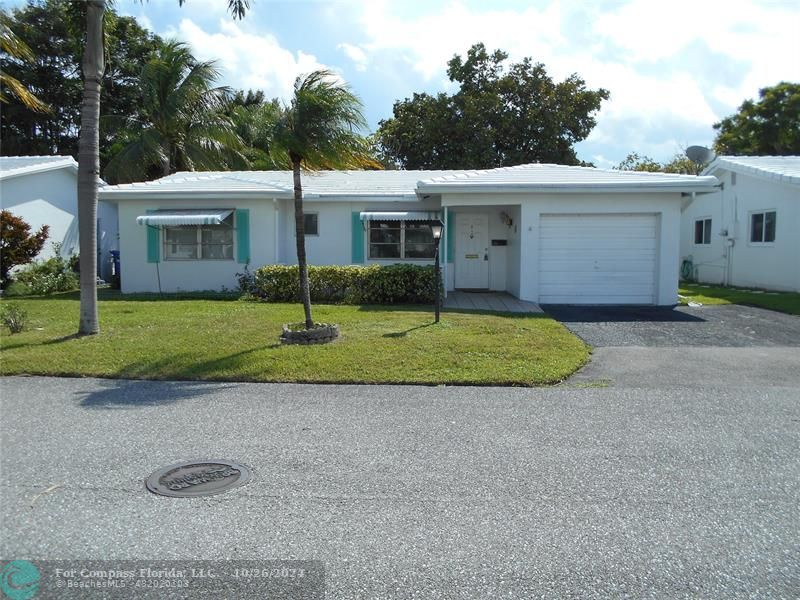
[(185, 127), (89, 156), (317, 130), (12, 45)]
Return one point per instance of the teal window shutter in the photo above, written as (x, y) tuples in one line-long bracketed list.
[(358, 239), (153, 243), (243, 235), (451, 235)]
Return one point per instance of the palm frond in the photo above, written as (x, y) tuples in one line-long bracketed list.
[(321, 124), (134, 161)]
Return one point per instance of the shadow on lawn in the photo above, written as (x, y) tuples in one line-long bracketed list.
[(399, 334), (112, 295), (424, 308), (126, 394)]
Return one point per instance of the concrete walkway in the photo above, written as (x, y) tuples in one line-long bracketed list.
[(492, 301)]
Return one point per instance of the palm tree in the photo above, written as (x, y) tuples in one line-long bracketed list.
[(317, 130), (89, 156), (185, 127), (16, 48)]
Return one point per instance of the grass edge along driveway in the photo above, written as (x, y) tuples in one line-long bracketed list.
[(230, 340), (787, 302)]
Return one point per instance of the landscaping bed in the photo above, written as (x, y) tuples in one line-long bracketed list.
[(230, 340)]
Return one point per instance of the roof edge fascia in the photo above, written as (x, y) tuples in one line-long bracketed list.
[(43, 168)]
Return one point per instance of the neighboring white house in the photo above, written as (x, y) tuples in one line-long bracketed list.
[(748, 233), (43, 190), (544, 233)]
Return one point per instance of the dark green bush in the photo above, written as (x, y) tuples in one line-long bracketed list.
[(373, 284)]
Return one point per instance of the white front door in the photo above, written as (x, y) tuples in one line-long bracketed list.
[(472, 251)]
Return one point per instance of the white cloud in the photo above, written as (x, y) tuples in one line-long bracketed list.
[(645, 53), (248, 61), (356, 54)]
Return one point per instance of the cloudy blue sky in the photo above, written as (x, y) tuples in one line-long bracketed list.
[(673, 67)]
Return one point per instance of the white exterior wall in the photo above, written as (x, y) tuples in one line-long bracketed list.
[(51, 198), (773, 266), (531, 206), (138, 275)]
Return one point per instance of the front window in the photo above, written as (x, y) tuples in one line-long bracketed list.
[(762, 227), (311, 223), (400, 240), (702, 231), (199, 242)]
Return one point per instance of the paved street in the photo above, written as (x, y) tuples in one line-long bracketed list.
[(584, 490)]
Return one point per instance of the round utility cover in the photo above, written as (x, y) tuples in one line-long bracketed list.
[(192, 479)]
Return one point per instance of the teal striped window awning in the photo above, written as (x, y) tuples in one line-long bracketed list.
[(171, 218), (408, 215)]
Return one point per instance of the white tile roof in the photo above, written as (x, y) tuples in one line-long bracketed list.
[(393, 184), (563, 178), (13, 166), (780, 168)]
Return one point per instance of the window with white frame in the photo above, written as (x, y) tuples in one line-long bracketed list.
[(411, 240), (762, 227), (199, 242), (702, 231)]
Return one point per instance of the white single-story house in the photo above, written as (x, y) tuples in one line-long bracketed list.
[(43, 190), (747, 233), (543, 233)]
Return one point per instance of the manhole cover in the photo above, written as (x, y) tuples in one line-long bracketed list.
[(198, 478)]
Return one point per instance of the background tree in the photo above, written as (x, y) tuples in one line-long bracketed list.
[(254, 118), (183, 125), (18, 246), (317, 130), (770, 126), (680, 164), (17, 50), (499, 116), (636, 162), (53, 30)]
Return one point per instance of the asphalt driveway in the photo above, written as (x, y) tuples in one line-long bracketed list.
[(720, 326)]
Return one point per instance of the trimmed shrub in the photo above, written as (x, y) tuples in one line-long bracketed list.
[(44, 277), (373, 284), (13, 316)]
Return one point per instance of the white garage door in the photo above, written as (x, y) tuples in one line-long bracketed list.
[(597, 259)]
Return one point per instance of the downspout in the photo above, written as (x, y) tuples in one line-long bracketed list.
[(277, 215), (444, 254)]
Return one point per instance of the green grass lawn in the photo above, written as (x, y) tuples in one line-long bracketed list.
[(781, 301), (229, 340)]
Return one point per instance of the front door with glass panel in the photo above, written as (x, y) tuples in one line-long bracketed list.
[(472, 251)]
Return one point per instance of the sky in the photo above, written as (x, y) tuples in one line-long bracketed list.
[(673, 68)]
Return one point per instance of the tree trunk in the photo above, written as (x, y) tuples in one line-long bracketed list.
[(166, 164), (89, 165), (300, 231)]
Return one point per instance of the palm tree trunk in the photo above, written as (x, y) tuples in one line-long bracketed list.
[(300, 232), (89, 165)]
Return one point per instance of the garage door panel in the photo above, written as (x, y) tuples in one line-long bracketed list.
[(567, 268), (585, 278), (597, 259), (600, 244)]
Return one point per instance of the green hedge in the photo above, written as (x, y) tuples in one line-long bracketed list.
[(373, 284)]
